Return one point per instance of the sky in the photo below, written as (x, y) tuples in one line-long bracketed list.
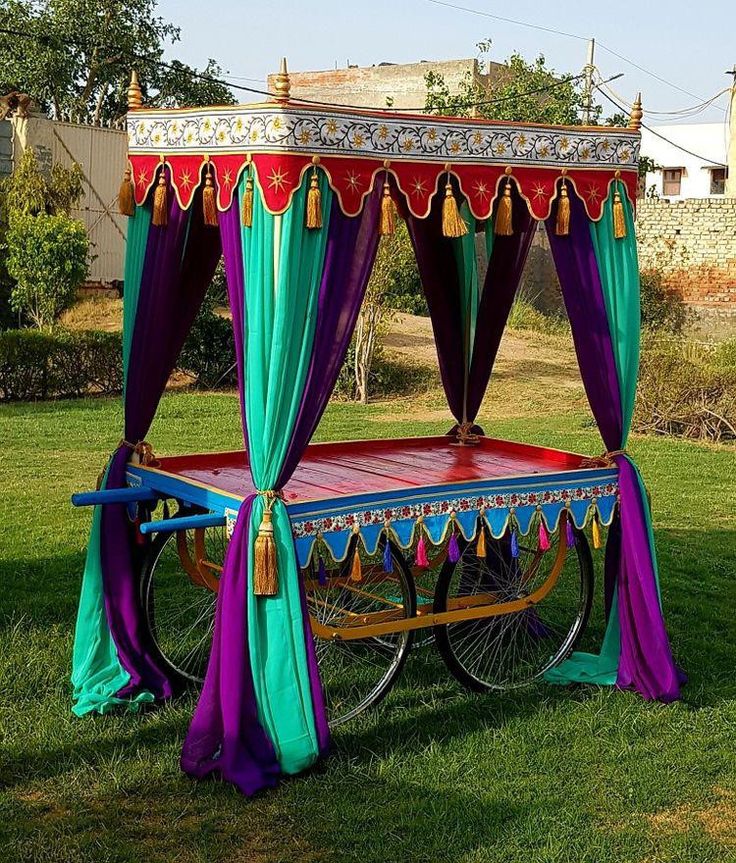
[(688, 44)]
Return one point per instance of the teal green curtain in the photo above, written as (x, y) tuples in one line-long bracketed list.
[(135, 255), (467, 276), (283, 264)]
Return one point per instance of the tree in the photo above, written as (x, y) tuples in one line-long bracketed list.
[(74, 58), (520, 91)]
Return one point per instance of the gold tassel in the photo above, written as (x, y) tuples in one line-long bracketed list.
[(265, 568), (453, 225), (247, 213), (314, 202), (160, 216), (597, 542), (126, 195), (480, 549), (562, 226), (504, 224), (387, 225), (356, 570), (209, 204), (619, 220)]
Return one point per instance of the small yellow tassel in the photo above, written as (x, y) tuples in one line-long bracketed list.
[(314, 202), (597, 542), (504, 223), (480, 550), (387, 225), (619, 220), (126, 195), (562, 227), (209, 204), (247, 213), (356, 570), (265, 568), (160, 216), (453, 225)]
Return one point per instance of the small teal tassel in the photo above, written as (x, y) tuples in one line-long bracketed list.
[(569, 533), (388, 558), (453, 549), (514, 544), (322, 573)]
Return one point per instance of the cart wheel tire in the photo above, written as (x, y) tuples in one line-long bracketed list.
[(358, 674), (514, 650), (180, 611)]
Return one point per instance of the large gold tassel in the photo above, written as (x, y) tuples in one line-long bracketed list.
[(247, 212), (596, 530), (265, 567), (619, 220), (387, 225), (314, 202), (126, 195), (562, 226), (209, 204), (356, 570), (453, 225), (480, 549), (504, 222), (160, 216)]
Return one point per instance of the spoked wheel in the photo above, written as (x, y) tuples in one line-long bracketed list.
[(179, 597), (358, 673), (514, 649)]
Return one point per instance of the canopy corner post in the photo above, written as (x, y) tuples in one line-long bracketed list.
[(636, 115), (282, 83), (135, 95)]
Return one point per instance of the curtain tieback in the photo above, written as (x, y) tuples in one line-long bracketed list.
[(143, 450), (265, 565), (604, 460), (464, 435)]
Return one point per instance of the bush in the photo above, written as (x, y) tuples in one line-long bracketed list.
[(59, 364), (525, 316), (387, 377), (47, 258), (209, 353), (687, 389), (663, 310)]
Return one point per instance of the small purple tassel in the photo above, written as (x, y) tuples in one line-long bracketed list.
[(569, 533), (321, 573), (514, 544), (453, 549), (388, 558), (422, 559)]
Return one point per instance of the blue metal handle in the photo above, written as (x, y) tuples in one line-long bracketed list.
[(186, 522), (113, 495)]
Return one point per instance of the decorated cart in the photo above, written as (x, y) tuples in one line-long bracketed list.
[(290, 580)]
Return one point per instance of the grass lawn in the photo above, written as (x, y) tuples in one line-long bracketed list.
[(436, 774)]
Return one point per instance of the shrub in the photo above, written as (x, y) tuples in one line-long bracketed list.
[(525, 316), (209, 353), (59, 364), (47, 258), (663, 309), (387, 377), (687, 389)]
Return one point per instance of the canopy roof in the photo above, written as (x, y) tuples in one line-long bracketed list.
[(283, 139)]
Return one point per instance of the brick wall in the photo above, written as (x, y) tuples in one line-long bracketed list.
[(694, 243)]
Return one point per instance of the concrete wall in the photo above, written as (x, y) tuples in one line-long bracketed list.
[(694, 243), (6, 148)]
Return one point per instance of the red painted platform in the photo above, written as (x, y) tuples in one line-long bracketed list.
[(330, 470)]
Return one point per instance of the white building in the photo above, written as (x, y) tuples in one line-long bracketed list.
[(700, 173)]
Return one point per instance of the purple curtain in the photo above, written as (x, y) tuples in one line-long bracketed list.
[(180, 261), (225, 721), (439, 272), (645, 660)]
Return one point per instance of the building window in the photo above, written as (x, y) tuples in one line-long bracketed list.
[(717, 181), (671, 181)]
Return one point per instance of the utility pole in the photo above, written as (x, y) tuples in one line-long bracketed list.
[(588, 92), (731, 157)]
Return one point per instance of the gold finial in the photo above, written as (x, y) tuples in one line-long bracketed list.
[(281, 83), (636, 114), (135, 96)]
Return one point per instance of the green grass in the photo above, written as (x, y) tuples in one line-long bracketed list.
[(434, 775)]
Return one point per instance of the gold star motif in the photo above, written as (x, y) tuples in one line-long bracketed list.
[(221, 136), (564, 142), (605, 145), (418, 188), (382, 132), (477, 139), (331, 127), (539, 192), (254, 135), (432, 135), (522, 140), (407, 144), (585, 153), (227, 177), (305, 136), (544, 151), (207, 125), (277, 179), (277, 122), (358, 140), (142, 178), (481, 190), (239, 124), (455, 147), (593, 194), (500, 148), (353, 181), (625, 155), (185, 178)]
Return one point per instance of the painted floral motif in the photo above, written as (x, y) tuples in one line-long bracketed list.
[(276, 128), (345, 522)]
